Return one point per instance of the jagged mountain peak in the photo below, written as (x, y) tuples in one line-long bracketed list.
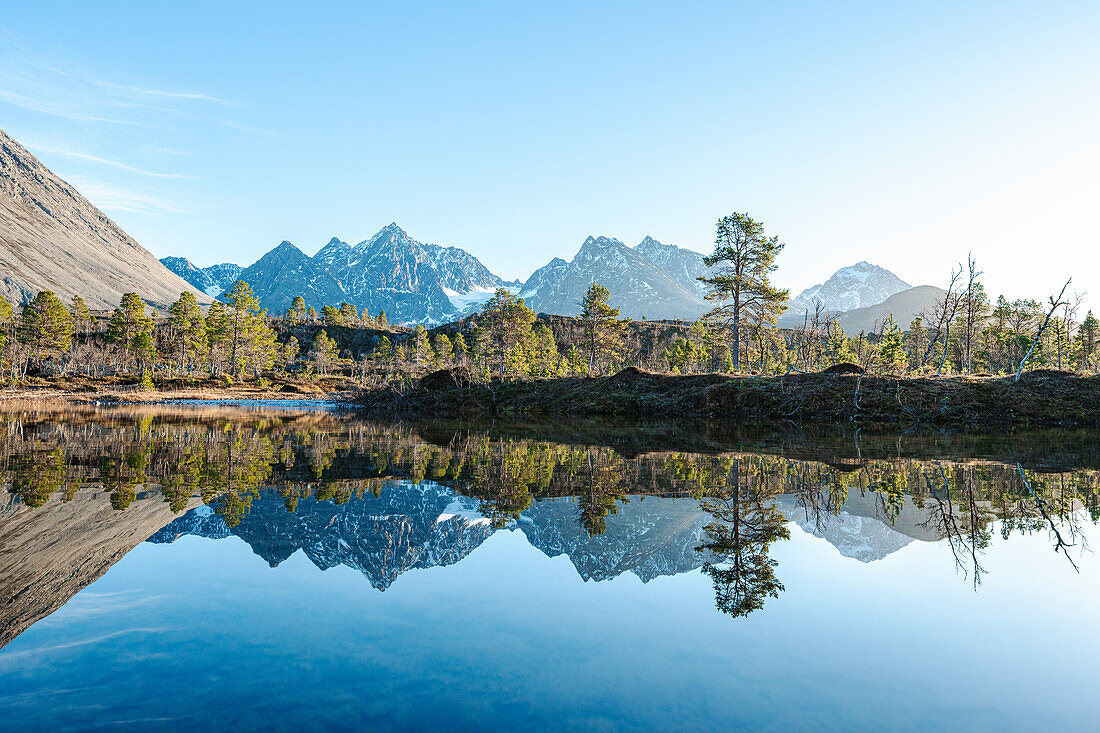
[(855, 286)]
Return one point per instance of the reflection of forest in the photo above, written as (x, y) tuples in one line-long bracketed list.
[(748, 486)]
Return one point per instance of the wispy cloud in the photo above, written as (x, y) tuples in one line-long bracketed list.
[(57, 108), (107, 161), (194, 96), (110, 197)]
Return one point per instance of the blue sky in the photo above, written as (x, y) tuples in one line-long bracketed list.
[(902, 134)]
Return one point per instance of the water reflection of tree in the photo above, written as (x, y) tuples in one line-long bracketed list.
[(226, 461), (736, 544)]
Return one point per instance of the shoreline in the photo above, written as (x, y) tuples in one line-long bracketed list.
[(243, 397), (1042, 398)]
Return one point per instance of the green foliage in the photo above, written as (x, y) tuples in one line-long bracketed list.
[(297, 312), (46, 326), (891, 354), (603, 330), (504, 333), (324, 352), (187, 330), (745, 257), (82, 317)]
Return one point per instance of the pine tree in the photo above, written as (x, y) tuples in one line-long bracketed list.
[(296, 313), (218, 331), (916, 341), (421, 348), (603, 330), (7, 331), (187, 328), (890, 351), (746, 256), (46, 326), (323, 352), (82, 317), (242, 309), (383, 322), (838, 348), (505, 331), (348, 315), (543, 353), (444, 350), (461, 350), (290, 352), (331, 316), (1088, 338), (131, 329)]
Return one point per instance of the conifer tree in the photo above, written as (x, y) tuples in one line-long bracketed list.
[(890, 351), (383, 322), (331, 316), (505, 331), (915, 342), (323, 352), (7, 331), (838, 348), (1088, 339), (218, 330), (82, 317), (444, 350), (543, 353), (296, 313), (349, 316), (242, 309), (745, 257), (187, 329), (421, 349), (290, 351), (131, 329), (461, 350), (603, 330), (46, 326)]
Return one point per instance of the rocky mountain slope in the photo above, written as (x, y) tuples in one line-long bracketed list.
[(856, 286), (287, 272), (52, 238), (639, 286), (213, 280), (413, 282), (903, 306)]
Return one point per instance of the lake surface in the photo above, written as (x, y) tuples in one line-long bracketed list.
[(220, 568)]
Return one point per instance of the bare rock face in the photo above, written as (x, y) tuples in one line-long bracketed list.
[(52, 238), (49, 554)]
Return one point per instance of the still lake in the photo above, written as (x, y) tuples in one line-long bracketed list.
[(219, 568)]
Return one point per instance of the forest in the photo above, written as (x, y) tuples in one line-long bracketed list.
[(237, 341)]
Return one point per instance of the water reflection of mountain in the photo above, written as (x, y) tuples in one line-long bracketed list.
[(862, 530), (649, 536), (48, 554), (407, 526), (421, 525)]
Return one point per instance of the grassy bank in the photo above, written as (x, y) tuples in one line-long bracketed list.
[(86, 390), (1040, 398)]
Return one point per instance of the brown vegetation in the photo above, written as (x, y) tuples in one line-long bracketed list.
[(1042, 397)]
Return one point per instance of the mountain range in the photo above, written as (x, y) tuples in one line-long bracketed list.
[(652, 280), (412, 525), (52, 238), (411, 281)]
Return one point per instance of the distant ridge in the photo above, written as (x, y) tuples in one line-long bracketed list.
[(52, 238), (652, 280)]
